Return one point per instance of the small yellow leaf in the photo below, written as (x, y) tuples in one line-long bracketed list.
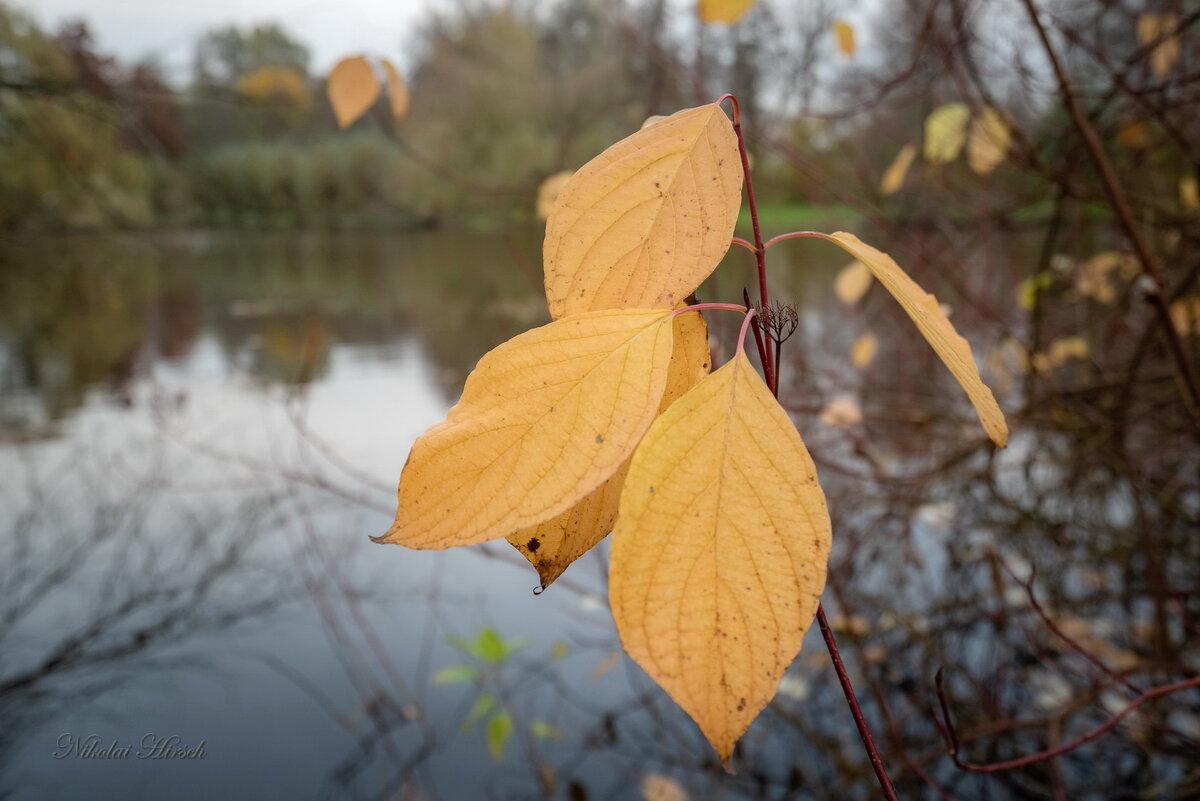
[(552, 546), (862, 352), (988, 142), (1185, 315), (946, 132), (544, 419), (352, 87), (722, 10), (1029, 289), (1161, 28), (1093, 278), (897, 171), (720, 550), (845, 37), (852, 282), (1133, 136), (1059, 353), (1189, 192), (646, 221), (923, 309), (841, 412), (397, 90), (548, 193), (657, 787)]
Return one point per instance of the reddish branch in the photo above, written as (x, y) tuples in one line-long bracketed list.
[(772, 378), (950, 736)]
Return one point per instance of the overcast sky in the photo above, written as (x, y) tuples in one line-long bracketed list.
[(167, 29)]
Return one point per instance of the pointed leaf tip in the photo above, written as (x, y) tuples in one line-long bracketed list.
[(933, 324), (720, 551), (552, 546)]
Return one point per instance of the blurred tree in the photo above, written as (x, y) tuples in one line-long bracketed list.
[(248, 84), (224, 55)]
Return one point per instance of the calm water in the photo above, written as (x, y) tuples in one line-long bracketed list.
[(198, 432)]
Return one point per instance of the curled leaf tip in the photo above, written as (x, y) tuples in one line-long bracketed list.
[(923, 309)]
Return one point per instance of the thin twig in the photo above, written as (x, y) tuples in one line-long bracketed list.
[(1156, 294)]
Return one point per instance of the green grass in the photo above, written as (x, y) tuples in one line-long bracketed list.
[(779, 218)]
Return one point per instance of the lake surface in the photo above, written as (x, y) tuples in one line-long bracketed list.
[(198, 432)]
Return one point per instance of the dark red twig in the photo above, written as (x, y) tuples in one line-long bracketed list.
[(771, 370), (950, 736)]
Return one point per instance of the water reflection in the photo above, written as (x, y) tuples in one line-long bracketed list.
[(199, 431)]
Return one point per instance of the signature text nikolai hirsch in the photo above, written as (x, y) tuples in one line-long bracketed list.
[(151, 746)]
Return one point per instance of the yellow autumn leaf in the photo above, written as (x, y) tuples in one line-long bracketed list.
[(988, 142), (1093, 278), (897, 171), (722, 10), (548, 192), (1133, 135), (946, 132), (1059, 353), (923, 309), (657, 787), (852, 282), (552, 546), (1189, 192), (1029, 289), (844, 32), (1160, 28), (1185, 315), (352, 87), (543, 420), (862, 352), (841, 412), (720, 550), (397, 90), (646, 221)]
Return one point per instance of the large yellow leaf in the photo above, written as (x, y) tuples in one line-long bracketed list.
[(987, 144), (543, 420), (897, 171), (552, 546), (845, 37), (946, 132), (397, 90), (352, 87), (643, 223), (720, 550), (923, 308), (722, 10)]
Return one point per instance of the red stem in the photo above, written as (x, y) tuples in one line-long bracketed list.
[(771, 370), (702, 306), (742, 333), (864, 731), (760, 251), (951, 738), (792, 235)]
